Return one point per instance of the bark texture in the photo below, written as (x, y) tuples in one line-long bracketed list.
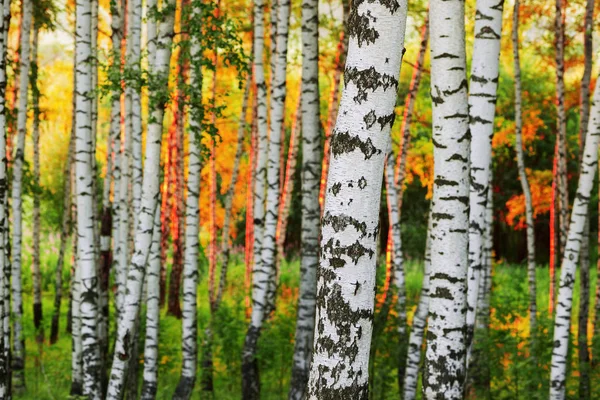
[(350, 223)]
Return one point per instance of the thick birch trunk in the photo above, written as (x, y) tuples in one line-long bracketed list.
[(444, 371), (415, 340), (562, 321), (18, 355), (311, 210), (86, 245), (482, 108), (143, 236), (523, 176), (350, 223)]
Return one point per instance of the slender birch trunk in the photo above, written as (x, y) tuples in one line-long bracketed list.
[(150, 384), (584, 289), (311, 210), (35, 266), (5, 375), (482, 108), (190, 254), (76, 341), (260, 275), (86, 245), (346, 274), (64, 236), (561, 126), (133, 91), (444, 371), (415, 340), (135, 276), (523, 175), (562, 321), (18, 355), (485, 289)]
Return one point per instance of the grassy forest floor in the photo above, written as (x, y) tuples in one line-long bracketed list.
[(513, 376)]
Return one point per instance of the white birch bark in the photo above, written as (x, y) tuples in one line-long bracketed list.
[(18, 354), (562, 319), (133, 92), (444, 370), (86, 245), (260, 275), (311, 211), (482, 108), (5, 384), (350, 223), (150, 190), (150, 384), (523, 175), (415, 340), (76, 342), (192, 219)]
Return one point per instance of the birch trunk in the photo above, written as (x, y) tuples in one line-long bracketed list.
[(346, 273), (190, 255), (86, 246), (18, 354), (250, 380), (35, 266), (150, 384), (584, 303), (311, 210), (482, 108), (444, 371), (561, 125), (415, 340), (76, 341), (562, 319), (64, 235), (135, 277), (133, 91), (523, 176), (5, 376)]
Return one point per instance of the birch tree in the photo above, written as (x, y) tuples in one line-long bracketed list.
[(311, 211), (150, 384), (346, 272), (86, 245), (444, 370), (261, 271), (523, 175), (143, 234), (415, 340), (562, 319), (18, 353), (189, 330), (482, 107)]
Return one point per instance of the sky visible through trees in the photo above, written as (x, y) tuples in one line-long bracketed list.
[(303, 199)]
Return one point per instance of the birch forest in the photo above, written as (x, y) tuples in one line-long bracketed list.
[(299, 199)]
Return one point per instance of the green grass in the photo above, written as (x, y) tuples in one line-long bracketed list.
[(48, 370)]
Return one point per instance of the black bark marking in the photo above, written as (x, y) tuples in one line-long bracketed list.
[(343, 142)]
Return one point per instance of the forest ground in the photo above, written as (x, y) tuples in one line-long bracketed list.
[(48, 375)]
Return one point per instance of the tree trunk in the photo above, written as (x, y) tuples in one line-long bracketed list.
[(311, 210), (554, 251), (482, 108), (150, 384), (76, 353), (35, 266), (561, 125), (18, 355), (250, 379), (523, 178), (415, 340), (564, 302), (143, 235), (350, 223), (444, 371)]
